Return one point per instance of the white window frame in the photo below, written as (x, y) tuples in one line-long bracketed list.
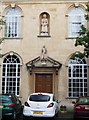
[(77, 79), (75, 20), (13, 23), (11, 76)]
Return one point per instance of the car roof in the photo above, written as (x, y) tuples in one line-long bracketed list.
[(41, 93)]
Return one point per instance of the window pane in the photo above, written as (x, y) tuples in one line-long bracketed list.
[(39, 98), (11, 75), (76, 19), (13, 21), (77, 79)]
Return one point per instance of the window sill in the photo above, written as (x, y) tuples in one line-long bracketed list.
[(71, 97), (12, 38), (45, 36), (71, 37)]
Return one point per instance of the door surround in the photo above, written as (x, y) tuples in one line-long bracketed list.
[(43, 66)]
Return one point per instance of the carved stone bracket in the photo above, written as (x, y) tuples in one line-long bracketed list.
[(57, 71), (13, 5)]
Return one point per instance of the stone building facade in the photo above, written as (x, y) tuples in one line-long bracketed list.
[(38, 50)]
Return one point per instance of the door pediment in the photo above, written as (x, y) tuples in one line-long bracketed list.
[(43, 63)]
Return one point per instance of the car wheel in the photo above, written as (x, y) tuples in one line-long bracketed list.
[(27, 118), (56, 115), (53, 118)]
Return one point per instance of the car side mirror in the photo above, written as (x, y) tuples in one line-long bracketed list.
[(58, 101)]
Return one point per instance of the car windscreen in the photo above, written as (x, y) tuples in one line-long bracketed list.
[(84, 100), (5, 98), (39, 98)]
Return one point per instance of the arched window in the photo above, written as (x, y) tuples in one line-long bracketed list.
[(11, 75), (77, 73), (13, 23), (44, 24), (75, 20)]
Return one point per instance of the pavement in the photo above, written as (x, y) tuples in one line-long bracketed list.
[(65, 114)]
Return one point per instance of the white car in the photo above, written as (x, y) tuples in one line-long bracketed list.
[(40, 105)]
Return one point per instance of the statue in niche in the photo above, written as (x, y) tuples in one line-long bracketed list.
[(43, 54), (44, 25)]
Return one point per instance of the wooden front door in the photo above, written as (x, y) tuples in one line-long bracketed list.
[(44, 83)]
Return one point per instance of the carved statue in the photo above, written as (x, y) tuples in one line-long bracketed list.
[(43, 53), (44, 25)]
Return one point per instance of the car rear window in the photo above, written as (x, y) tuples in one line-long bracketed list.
[(84, 100), (5, 98), (39, 98)]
